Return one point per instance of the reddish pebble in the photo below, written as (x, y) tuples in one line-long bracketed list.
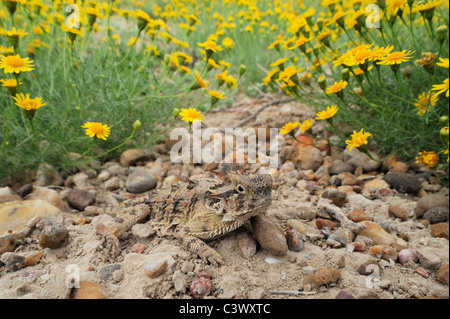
[(359, 246), (407, 255), (138, 248), (321, 223), (201, 287), (204, 274), (344, 295), (421, 271)]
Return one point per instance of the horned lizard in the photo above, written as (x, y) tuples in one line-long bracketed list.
[(195, 211)]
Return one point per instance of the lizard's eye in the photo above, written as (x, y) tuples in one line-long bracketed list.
[(240, 189)]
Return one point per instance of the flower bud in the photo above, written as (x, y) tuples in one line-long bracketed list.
[(137, 125), (443, 134), (11, 6), (441, 33), (322, 82), (242, 70), (443, 120), (345, 73)]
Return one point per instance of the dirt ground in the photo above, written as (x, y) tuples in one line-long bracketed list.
[(263, 275)]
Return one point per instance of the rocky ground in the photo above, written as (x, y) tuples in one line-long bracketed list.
[(340, 226)]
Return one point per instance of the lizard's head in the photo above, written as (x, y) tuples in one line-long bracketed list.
[(245, 196)]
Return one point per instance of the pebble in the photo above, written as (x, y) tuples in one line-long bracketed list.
[(79, 199), (348, 179), (307, 215), (344, 295), (50, 196), (140, 181), (342, 235), (428, 259), (294, 240), (6, 191), (430, 201), (369, 267), (46, 175), (106, 272), (378, 235), (33, 258), (421, 271), (341, 262), (246, 244), (24, 190), (337, 198), (9, 198), (440, 230), (271, 260), (358, 159), (404, 183), (269, 235), (326, 275), (179, 282), (399, 212), (407, 255), (103, 176), (201, 287), (52, 235), (143, 230), (13, 262), (155, 267), (321, 223), (338, 166), (358, 215), (81, 180), (132, 156), (15, 215), (384, 251), (296, 225), (138, 248), (437, 215), (358, 246), (112, 184), (79, 220), (307, 157), (88, 290), (376, 184), (442, 274)]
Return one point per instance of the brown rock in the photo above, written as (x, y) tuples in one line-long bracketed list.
[(294, 240), (326, 275), (33, 259), (307, 157), (442, 274), (376, 184), (52, 235), (201, 288), (400, 167), (369, 267), (386, 252), (440, 230), (308, 280), (138, 248), (399, 212), (358, 215), (348, 179), (156, 267), (321, 223), (341, 262), (269, 236), (421, 271), (337, 198), (79, 199), (378, 235), (88, 290), (132, 156), (246, 245)]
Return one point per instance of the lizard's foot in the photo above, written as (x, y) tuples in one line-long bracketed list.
[(206, 253), (111, 244)]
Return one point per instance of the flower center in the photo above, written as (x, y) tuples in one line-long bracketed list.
[(396, 56), (14, 61)]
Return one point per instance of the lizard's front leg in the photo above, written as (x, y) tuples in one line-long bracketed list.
[(199, 247), (132, 215)]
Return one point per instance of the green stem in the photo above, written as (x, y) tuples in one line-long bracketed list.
[(90, 146), (36, 136), (8, 125)]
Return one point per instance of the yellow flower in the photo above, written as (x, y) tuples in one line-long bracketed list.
[(15, 64), (429, 5), (429, 159), (210, 46), (10, 83), (6, 51), (228, 43), (396, 57), (441, 88), (328, 113), (289, 127), (28, 104), (279, 62), (337, 87), (306, 125), (424, 101), (201, 83), (443, 63), (97, 129), (143, 19), (288, 73), (216, 95), (276, 44), (15, 33), (191, 115), (358, 139), (270, 76)]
